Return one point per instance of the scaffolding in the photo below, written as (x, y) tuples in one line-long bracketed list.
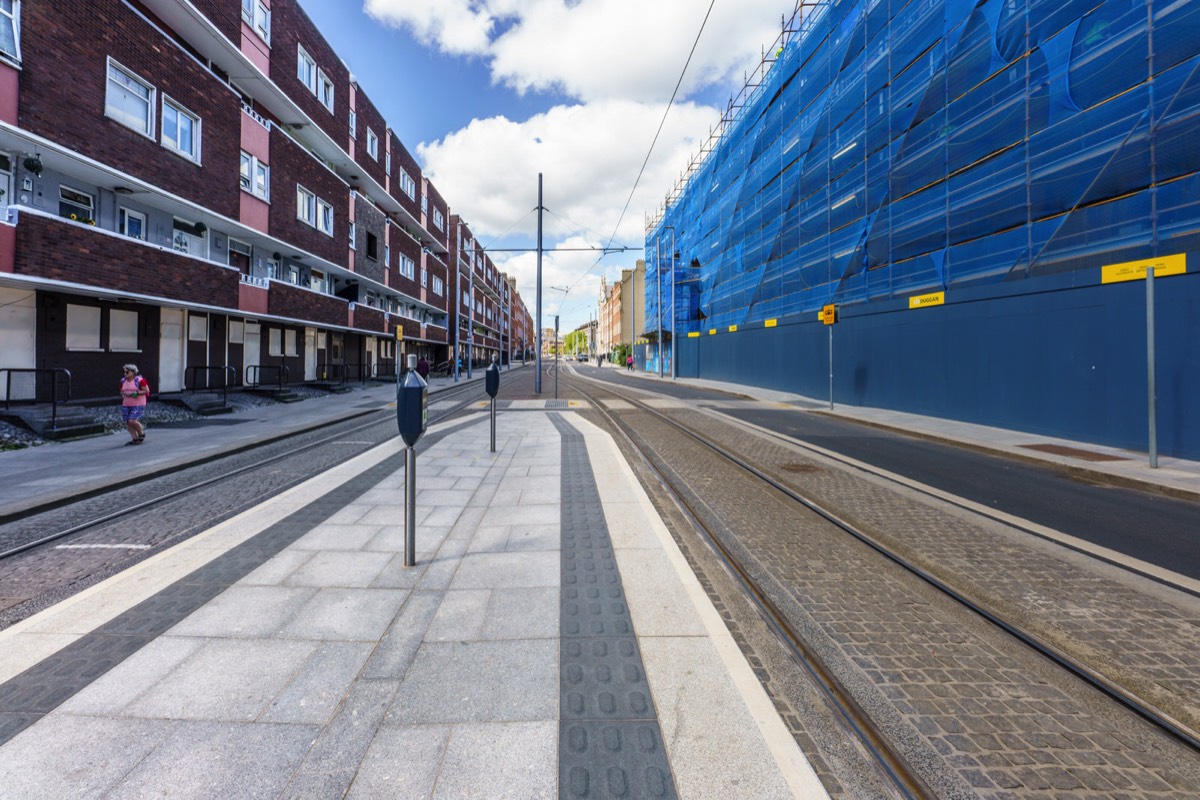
[(887, 148)]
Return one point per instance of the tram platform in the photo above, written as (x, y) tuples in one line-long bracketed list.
[(550, 641)]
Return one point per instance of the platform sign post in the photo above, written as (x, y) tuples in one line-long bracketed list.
[(491, 385), (829, 316), (412, 417)]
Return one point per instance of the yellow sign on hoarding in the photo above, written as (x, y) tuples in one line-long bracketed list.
[(712, 331), (920, 301), (693, 334), (829, 314), (733, 328), (1136, 270), (399, 333)]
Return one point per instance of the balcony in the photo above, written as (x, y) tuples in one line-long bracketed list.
[(288, 300), (59, 249)]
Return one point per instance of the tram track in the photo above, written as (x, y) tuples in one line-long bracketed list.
[(891, 760), (170, 505)]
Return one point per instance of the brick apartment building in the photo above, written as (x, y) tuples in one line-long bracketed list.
[(201, 186)]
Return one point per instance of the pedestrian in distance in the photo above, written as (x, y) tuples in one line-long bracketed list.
[(135, 392), (423, 368), (629, 363)]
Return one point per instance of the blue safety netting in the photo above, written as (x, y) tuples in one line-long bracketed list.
[(903, 147)]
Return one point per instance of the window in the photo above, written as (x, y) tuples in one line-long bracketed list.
[(424, 204), (10, 29), (353, 124), (239, 256), (75, 205), (325, 90), (387, 254), (256, 177), (289, 342), (306, 69), (316, 281), (372, 246), (83, 327), (324, 217), (129, 100), (407, 267), (131, 223), (353, 233), (388, 162), (275, 342), (237, 331), (439, 221), (122, 331), (372, 144), (306, 205), (408, 185), (439, 286), (188, 237), (197, 328), (258, 17), (424, 278), (180, 130)]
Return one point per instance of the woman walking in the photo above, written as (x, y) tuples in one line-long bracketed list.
[(134, 394)]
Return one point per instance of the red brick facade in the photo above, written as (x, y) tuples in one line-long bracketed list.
[(68, 251), (292, 165), (286, 300)]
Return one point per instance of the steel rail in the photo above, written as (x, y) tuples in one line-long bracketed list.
[(888, 759), (389, 417), (1175, 728)]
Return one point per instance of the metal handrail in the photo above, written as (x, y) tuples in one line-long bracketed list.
[(53, 373), (281, 373), (228, 373)]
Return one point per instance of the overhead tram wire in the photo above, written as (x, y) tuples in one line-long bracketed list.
[(663, 121)]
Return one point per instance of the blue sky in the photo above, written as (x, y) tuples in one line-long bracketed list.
[(489, 93)]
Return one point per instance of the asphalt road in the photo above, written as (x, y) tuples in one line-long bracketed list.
[(1152, 528)]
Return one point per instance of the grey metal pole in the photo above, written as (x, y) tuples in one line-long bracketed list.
[(537, 376), (830, 367), (410, 506), (674, 352), (658, 294), (556, 356), (493, 424), (1151, 393)]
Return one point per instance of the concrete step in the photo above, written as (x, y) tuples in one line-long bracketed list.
[(207, 405), (70, 422)]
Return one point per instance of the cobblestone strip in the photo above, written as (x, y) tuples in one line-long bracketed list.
[(610, 743), (978, 714), (26, 698), (1135, 638)]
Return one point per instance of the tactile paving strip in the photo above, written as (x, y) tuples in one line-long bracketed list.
[(26, 698), (610, 744)]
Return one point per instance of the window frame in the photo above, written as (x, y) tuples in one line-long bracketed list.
[(353, 123), (197, 124), (130, 340), (14, 22), (325, 90), (408, 267), (306, 69), (372, 144), (258, 17), (407, 184), (123, 216), (83, 328), (112, 111), (248, 180), (325, 220), (306, 206)]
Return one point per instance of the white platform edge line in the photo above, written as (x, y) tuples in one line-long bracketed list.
[(175, 561), (793, 764)]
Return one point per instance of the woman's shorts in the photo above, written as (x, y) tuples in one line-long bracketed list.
[(132, 413)]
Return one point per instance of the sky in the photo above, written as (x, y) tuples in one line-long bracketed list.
[(488, 94)]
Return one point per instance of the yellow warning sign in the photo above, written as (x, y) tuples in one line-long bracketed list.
[(1136, 270), (829, 314)]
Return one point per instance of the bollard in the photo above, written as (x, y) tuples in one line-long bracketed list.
[(491, 384), (412, 417)]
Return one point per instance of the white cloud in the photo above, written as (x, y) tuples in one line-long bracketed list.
[(589, 156), (594, 49), (620, 61)]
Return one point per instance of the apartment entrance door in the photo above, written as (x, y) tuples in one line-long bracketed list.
[(170, 350)]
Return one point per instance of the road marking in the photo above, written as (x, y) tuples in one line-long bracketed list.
[(102, 547)]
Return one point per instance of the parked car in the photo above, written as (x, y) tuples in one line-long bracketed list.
[(581, 357)]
